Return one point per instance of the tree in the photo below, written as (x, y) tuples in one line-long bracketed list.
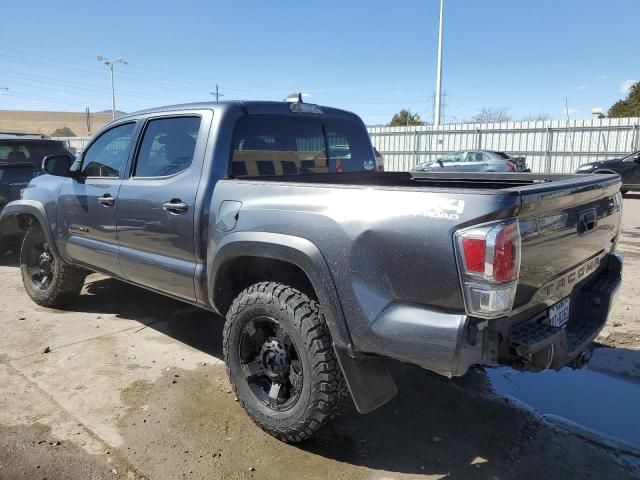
[(63, 132), (630, 106), (537, 117), (492, 115), (404, 118)]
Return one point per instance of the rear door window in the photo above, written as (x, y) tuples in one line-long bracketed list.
[(268, 145), (476, 157), (168, 145)]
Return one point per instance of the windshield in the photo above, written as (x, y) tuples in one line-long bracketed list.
[(267, 145)]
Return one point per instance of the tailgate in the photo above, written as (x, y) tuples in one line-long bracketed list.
[(567, 228)]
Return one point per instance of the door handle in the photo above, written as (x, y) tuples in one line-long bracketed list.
[(107, 200), (175, 206)]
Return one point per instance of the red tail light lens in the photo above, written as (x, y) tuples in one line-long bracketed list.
[(505, 255), (489, 263), (474, 253)]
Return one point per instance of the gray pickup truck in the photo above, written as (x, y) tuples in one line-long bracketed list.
[(272, 215)]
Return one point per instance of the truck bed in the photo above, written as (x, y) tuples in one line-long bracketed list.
[(502, 182)]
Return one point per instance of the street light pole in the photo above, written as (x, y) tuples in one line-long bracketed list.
[(113, 94), (436, 116), (110, 63)]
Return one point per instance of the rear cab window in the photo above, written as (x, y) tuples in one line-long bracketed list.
[(30, 154), (279, 145)]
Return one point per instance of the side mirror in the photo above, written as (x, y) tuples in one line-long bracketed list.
[(637, 158), (58, 165)]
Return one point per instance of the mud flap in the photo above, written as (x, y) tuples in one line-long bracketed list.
[(368, 378)]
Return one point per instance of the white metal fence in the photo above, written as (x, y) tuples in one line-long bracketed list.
[(76, 144), (549, 146)]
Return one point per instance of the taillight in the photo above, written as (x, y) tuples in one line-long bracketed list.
[(512, 166), (489, 265)]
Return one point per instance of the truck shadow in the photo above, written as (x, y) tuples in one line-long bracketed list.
[(435, 426), (188, 324), (9, 259)]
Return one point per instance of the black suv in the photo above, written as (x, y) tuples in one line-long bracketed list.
[(20, 160), (627, 167)]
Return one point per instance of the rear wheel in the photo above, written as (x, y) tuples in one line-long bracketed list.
[(280, 360), (47, 280)]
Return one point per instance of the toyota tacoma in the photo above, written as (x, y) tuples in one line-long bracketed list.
[(324, 268)]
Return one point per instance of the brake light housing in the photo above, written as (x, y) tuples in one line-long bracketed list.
[(488, 258)]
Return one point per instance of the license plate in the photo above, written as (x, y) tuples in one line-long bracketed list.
[(559, 313)]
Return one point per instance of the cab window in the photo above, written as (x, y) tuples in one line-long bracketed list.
[(14, 154), (268, 145), (107, 156), (167, 148)]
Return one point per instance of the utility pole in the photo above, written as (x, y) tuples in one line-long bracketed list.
[(110, 63), (88, 122), (217, 94), (436, 116)]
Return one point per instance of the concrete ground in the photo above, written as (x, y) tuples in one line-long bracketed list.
[(133, 386)]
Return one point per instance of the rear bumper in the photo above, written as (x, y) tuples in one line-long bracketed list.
[(538, 345), (449, 344)]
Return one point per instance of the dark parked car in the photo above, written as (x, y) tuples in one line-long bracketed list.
[(20, 160), (475, 161), (627, 167), (325, 273), (379, 160)]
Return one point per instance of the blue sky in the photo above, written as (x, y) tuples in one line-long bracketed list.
[(372, 57)]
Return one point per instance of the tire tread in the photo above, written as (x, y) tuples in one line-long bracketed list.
[(326, 376)]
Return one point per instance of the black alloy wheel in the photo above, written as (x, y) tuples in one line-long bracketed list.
[(271, 363)]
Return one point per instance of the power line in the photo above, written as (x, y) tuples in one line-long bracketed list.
[(48, 99), (38, 81)]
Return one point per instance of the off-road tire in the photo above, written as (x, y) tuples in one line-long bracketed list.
[(66, 281), (302, 318)]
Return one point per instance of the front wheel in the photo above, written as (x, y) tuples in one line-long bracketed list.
[(280, 360), (47, 280)]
